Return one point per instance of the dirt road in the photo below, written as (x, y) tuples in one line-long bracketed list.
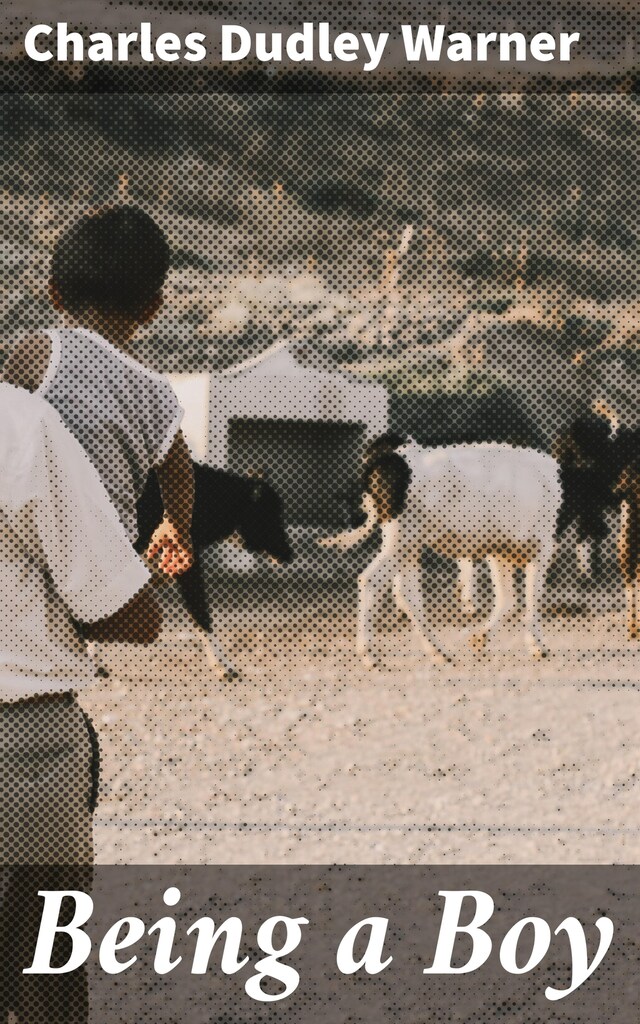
[(311, 759)]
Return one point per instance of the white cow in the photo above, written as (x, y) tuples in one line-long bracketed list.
[(470, 502)]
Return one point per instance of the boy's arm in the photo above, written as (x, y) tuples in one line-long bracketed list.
[(172, 539), (27, 362), (88, 555)]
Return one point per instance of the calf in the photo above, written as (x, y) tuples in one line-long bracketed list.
[(224, 505), (473, 502)]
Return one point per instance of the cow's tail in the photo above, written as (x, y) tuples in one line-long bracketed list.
[(350, 538)]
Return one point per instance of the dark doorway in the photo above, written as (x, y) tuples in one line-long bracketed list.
[(314, 464)]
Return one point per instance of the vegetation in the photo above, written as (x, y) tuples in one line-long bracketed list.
[(288, 216)]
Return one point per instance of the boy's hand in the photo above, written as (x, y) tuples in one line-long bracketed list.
[(176, 556), (175, 476)]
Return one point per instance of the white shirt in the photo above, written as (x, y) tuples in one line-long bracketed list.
[(63, 550), (125, 416)]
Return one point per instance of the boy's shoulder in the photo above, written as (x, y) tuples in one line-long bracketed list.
[(30, 361), (95, 346), (27, 363)]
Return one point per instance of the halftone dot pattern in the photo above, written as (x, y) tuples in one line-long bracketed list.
[(44, 747), (337, 268), (443, 269), (159, 984)]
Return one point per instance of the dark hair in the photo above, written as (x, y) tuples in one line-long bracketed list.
[(384, 445), (114, 260), (395, 477)]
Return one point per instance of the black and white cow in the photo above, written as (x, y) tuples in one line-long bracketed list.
[(471, 502)]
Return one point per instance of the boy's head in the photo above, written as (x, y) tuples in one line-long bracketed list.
[(112, 262)]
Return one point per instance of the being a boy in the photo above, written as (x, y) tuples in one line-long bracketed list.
[(107, 276)]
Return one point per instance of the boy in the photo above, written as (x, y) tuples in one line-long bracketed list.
[(63, 553), (107, 275)]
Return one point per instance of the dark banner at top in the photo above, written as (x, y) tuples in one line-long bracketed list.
[(191, 47)]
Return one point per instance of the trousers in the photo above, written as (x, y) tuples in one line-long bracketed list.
[(49, 762)]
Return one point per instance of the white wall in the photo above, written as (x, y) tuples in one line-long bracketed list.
[(279, 388), (193, 391)]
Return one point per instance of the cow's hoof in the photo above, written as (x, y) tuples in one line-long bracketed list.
[(230, 675), (101, 672), (478, 642), (368, 663)]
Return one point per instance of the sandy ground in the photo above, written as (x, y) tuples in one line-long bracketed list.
[(311, 759)]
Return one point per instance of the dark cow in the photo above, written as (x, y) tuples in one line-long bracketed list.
[(600, 470), (589, 470), (224, 504)]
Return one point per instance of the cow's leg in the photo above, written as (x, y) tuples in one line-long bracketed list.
[(216, 657), (632, 609), (98, 668), (407, 588), (534, 577), (466, 579), (626, 568), (636, 608), (193, 590), (584, 553), (502, 579), (372, 584), (628, 546)]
